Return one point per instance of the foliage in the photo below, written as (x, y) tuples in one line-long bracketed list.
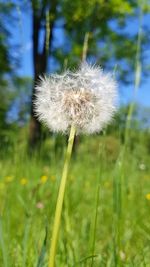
[(6, 63), (15, 108), (5, 58), (110, 42)]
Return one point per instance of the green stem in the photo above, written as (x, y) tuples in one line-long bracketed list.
[(60, 198), (95, 223)]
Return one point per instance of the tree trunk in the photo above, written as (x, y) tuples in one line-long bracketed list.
[(40, 60)]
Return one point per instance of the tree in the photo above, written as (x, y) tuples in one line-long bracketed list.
[(108, 43), (15, 91), (43, 15), (5, 58), (5, 64)]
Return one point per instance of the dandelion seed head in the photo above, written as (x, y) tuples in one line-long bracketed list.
[(85, 98)]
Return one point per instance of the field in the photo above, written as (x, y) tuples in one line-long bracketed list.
[(106, 213), (105, 220)]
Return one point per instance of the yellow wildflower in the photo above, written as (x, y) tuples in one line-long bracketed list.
[(23, 181), (9, 179), (148, 196), (44, 179)]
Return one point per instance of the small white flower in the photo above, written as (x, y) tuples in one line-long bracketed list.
[(85, 98), (142, 166)]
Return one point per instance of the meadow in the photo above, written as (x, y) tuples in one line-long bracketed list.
[(106, 213)]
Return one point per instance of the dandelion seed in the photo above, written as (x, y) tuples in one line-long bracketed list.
[(44, 179), (23, 181), (148, 196), (85, 98)]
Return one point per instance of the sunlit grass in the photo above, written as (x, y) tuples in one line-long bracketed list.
[(91, 216)]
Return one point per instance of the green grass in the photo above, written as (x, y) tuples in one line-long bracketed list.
[(105, 220)]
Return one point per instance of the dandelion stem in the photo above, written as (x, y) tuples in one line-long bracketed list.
[(60, 198)]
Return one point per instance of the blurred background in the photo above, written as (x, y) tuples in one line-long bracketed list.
[(40, 37), (109, 182)]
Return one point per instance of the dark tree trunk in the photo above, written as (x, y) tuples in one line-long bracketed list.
[(40, 59)]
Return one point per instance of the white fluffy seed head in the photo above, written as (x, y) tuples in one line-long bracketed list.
[(85, 98)]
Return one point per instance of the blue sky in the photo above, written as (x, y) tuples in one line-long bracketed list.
[(22, 33)]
